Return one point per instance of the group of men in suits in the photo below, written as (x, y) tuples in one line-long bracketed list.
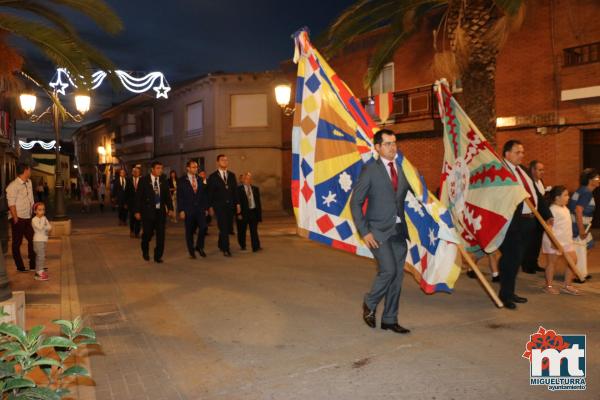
[(383, 187), (148, 202)]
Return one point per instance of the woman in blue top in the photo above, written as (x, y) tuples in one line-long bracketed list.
[(582, 205)]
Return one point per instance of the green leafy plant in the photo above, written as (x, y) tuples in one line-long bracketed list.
[(24, 354)]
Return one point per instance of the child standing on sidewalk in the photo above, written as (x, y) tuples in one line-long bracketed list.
[(563, 230), (41, 227)]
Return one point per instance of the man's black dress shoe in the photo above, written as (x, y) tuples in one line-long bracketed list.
[(496, 278), (509, 305), (227, 253), (471, 274), (158, 260), (201, 252), (519, 299), (369, 316), (394, 328), (146, 257)]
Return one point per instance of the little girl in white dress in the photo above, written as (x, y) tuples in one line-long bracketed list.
[(563, 231)]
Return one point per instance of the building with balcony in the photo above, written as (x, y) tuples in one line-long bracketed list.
[(133, 123), (547, 91), (231, 114), (95, 152)]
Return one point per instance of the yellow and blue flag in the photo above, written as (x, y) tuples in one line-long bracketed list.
[(331, 141)]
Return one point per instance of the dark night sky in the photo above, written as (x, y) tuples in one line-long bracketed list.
[(186, 38)]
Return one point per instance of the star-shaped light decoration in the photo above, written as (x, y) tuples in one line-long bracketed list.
[(161, 90), (59, 86), (330, 198), (345, 181)]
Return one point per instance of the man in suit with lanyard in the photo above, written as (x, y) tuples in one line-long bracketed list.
[(383, 228), (223, 201), (521, 229), (251, 212), (192, 203), (153, 203), (133, 185)]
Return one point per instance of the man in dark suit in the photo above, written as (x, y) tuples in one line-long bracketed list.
[(251, 212), (133, 186), (532, 252), (223, 201), (383, 228), (521, 229), (192, 204), (153, 203), (119, 196)]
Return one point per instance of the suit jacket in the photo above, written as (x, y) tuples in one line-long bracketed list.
[(120, 191), (131, 192), (145, 204), (187, 200), (383, 205), (245, 203), (221, 196)]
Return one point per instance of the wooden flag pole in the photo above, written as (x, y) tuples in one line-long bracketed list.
[(555, 241), (486, 285)]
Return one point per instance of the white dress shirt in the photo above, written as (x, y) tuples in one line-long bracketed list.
[(386, 162), (19, 193), (527, 184), (155, 179)]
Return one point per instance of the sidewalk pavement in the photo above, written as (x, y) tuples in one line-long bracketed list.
[(285, 323)]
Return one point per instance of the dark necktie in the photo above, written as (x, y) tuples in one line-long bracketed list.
[(156, 193), (526, 186), (394, 176)]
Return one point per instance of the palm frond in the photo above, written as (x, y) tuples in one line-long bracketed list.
[(99, 11), (59, 47), (401, 28), (509, 7), (42, 11)]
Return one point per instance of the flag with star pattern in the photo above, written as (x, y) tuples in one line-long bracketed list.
[(331, 141)]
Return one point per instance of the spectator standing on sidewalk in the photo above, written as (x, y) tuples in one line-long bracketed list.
[(19, 195), (41, 228)]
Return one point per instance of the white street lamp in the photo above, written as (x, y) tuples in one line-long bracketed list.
[(28, 101), (283, 93), (82, 103)]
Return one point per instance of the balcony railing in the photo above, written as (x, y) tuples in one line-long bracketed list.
[(586, 54), (121, 138), (407, 105)]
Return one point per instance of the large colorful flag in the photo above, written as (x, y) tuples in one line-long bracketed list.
[(479, 190), (331, 140)]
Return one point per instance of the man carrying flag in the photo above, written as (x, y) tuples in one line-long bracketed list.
[(382, 228), (484, 193), (521, 229)]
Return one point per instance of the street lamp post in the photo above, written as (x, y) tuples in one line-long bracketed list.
[(57, 113), (283, 95)]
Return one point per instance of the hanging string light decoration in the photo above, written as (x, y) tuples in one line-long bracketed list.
[(153, 80), (44, 145)]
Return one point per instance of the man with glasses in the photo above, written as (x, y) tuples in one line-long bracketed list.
[(383, 228)]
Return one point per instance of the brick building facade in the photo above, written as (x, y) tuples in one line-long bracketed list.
[(548, 90)]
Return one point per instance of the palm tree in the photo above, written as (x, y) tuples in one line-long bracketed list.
[(466, 43), (43, 25)]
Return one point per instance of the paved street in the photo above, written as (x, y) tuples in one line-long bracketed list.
[(286, 323)]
